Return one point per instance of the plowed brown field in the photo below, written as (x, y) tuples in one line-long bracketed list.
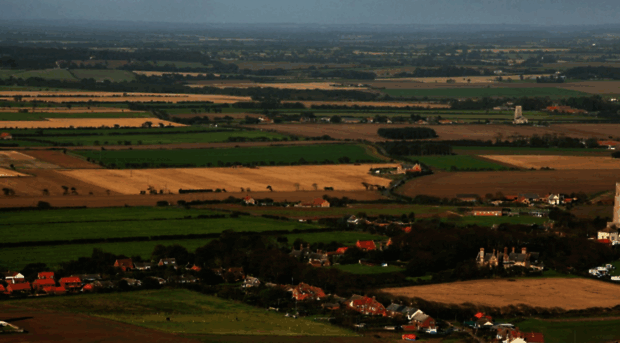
[(449, 184), (448, 132), (282, 179), (557, 162), (568, 294), (83, 122), (52, 180)]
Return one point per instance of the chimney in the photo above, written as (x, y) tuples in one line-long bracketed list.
[(524, 250), (513, 250)]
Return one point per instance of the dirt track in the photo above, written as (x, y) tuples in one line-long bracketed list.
[(47, 326), (568, 294), (449, 184)]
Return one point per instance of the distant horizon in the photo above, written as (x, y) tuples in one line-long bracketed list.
[(538, 13)]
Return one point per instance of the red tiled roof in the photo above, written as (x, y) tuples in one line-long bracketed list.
[(368, 245), (19, 286), (247, 198), (2, 289), (196, 268), (4, 134), (318, 201), (127, 263), (46, 275), (604, 241), (44, 282), (407, 229), (72, 279)]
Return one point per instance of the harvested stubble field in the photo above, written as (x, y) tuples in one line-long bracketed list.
[(448, 132), (23, 161), (52, 180), (449, 184), (10, 173), (282, 179), (76, 97), (61, 159), (93, 109), (568, 294), (67, 123), (558, 162)]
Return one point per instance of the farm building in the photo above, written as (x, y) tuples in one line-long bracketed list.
[(142, 265), (124, 264), (408, 168), (39, 284), (13, 277), (318, 202), (487, 212), (45, 275), (70, 283), (5, 136), (613, 145), (366, 245), (366, 305), (468, 197), (22, 287), (610, 234)]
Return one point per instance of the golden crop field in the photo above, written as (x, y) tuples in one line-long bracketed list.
[(557, 162), (92, 109), (83, 123), (568, 294), (65, 96), (281, 179), (10, 173)]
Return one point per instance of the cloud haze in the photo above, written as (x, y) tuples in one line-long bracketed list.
[(543, 12)]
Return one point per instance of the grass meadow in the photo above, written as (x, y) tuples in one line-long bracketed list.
[(458, 161), (190, 313)]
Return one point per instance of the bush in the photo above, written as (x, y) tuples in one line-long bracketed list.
[(615, 154), (163, 203)]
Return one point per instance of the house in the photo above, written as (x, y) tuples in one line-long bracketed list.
[(13, 277), (531, 197), (183, 279), (124, 264), (250, 282), (302, 253), (5, 136), (366, 305), (39, 284), (487, 260), (45, 275), (350, 120), (468, 197), (610, 234), (487, 212), (445, 121), (167, 262), (339, 252), (612, 145), (132, 282), (249, 201), (2, 289), (366, 245), (565, 109), (408, 168), (142, 265), (304, 291), (424, 322), (524, 259), (52, 290), (553, 199), (88, 277), (196, 268), (22, 287), (70, 283), (396, 310)]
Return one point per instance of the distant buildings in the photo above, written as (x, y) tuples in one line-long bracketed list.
[(519, 118)]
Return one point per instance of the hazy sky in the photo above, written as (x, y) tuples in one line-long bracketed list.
[(322, 11)]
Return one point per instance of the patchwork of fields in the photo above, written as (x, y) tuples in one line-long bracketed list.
[(51, 123), (559, 162)]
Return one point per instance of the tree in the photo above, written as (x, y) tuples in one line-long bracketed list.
[(315, 186), (65, 189), (296, 185), (8, 191), (615, 154), (46, 192), (335, 119), (269, 188)]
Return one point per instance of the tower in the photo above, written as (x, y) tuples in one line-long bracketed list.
[(617, 205), (519, 118)]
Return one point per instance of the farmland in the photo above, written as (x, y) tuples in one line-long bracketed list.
[(41, 116), (191, 313), (288, 85), (281, 179), (484, 151), (220, 157), (100, 75), (49, 74), (458, 162), (83, 123), (558, 162), (592, 330), (107, 97), (447, 184), (482, 92), (568, 294)]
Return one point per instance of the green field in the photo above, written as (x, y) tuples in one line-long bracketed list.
[(483, 92), (214, 157), (191, 313), (490, 221), (458, 161), (104, 74), (145, 222), (353, 209), (48, 74), (36, 115), (362, 269), (590, 331)]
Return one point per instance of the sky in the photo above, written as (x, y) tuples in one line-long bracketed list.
[(529, 12)]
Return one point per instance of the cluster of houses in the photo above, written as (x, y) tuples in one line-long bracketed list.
[(511, 259), (506, 332), (318, 202), (322, 258), (530, 199), (44, 284)]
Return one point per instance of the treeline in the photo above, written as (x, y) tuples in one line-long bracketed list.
[(407, 133), (587, 73), (446, 71), (403, 148), (344, 74)]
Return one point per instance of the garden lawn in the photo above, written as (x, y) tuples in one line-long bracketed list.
[(189, 313), (574, 331), (458, 161), (216, 157), (362, 269)]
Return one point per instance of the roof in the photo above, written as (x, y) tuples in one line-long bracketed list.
[(248, 198), (533, 337), (44, 282), (126, 262), (604, 241), (318, 201), (395, 308), (368, 245), (19, 286), (11, 274), (46, 274), (420, 317), (5, 134), (71, 279)]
